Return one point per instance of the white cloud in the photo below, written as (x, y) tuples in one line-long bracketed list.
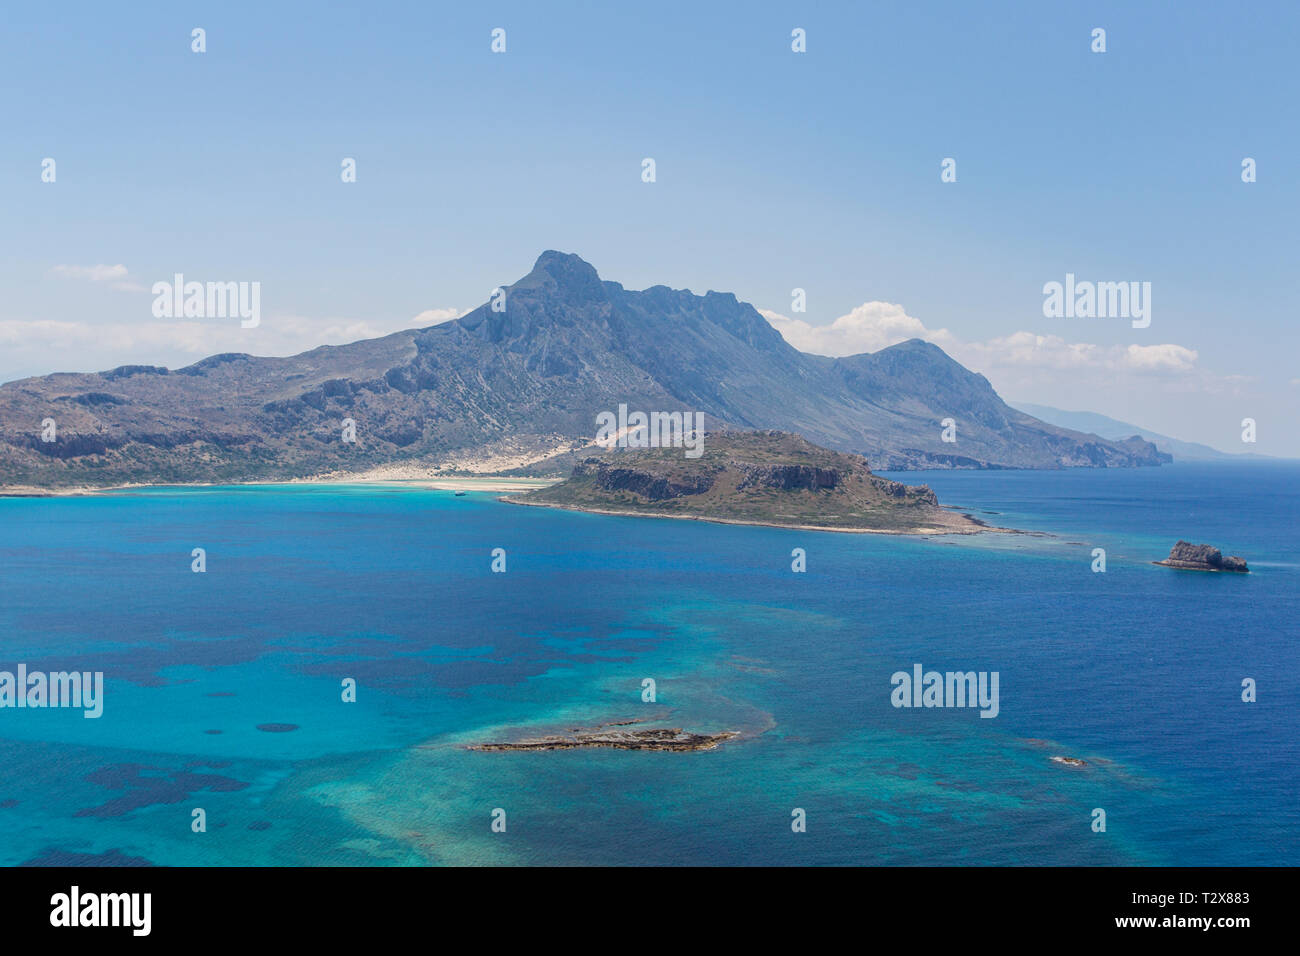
[(118, 276), (1167, 356), (435, 317), (39, 346), (33, 346), (99, 273), (870, 327), (1160, 386), (876, 325), (1033, 350)]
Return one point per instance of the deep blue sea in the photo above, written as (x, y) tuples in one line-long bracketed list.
[(223, 690)]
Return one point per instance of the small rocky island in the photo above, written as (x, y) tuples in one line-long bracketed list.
[(1070, 761), (663, 738), (753, 477), (1201, 557)]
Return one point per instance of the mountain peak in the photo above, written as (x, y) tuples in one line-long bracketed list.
[(563, 266), (916, 346), (574, 277)]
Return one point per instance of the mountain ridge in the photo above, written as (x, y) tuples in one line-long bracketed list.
[(533, 375)]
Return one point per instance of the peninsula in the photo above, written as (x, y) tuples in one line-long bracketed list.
[(753, 477)]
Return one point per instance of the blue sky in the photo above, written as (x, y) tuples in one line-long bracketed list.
[(775, 170)]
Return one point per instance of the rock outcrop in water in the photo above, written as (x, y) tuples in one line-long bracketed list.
[(670, 738), (1069, 761), (1201, 557)]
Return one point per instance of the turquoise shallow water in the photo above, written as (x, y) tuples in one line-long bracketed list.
[(1137, 671)]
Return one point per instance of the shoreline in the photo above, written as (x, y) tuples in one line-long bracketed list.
[(507, 490), (918, 532), (1184, 566), (499, 484)]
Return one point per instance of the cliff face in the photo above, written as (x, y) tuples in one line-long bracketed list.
[(788, 477), (1201, 557), (644, 484), (761, 477)]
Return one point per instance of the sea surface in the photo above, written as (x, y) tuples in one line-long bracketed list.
[(224, 690)]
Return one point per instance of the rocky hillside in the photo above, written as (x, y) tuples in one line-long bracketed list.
[(530, 379), (752, 477)]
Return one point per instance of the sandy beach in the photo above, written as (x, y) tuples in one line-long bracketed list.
[(500, 484), (925, 532)]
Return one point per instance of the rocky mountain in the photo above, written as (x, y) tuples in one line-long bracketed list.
[(752, 477), (531, 378)]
